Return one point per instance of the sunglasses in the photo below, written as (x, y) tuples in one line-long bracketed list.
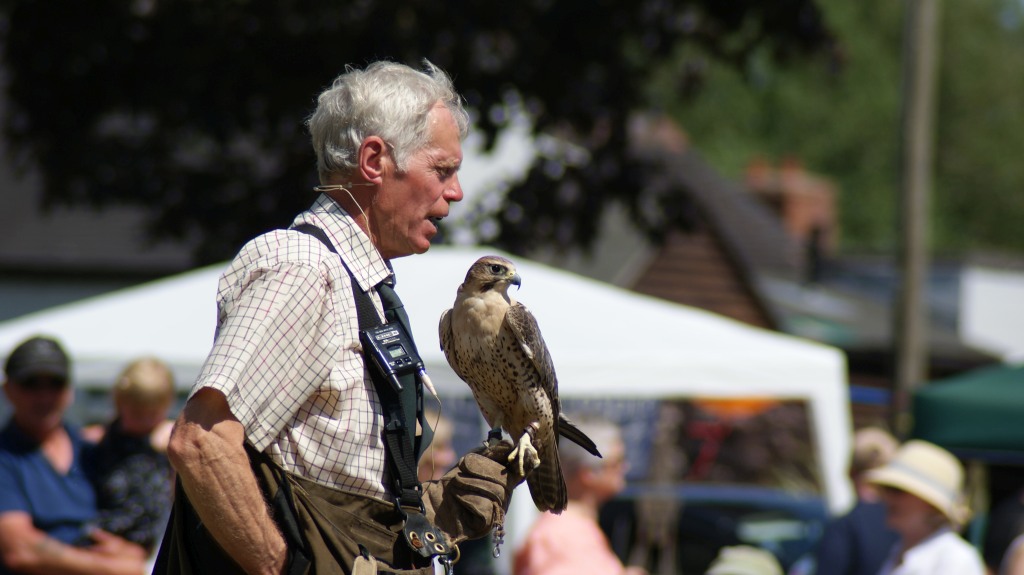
[(42, 383)]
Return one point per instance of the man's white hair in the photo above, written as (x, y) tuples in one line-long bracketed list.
[(385, 99)]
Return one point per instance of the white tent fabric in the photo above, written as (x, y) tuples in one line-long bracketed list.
[(605, 341)]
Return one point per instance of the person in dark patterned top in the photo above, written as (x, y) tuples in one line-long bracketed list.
[(129, 467)]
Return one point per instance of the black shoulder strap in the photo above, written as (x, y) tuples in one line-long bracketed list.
[(401, 409), (364, 305)]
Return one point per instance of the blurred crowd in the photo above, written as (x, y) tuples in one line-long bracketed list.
[(74, 500), (96, 499)]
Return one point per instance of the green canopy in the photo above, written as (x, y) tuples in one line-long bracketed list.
[(978, 413)]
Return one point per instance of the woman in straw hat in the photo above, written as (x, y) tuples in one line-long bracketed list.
[(922, 487)]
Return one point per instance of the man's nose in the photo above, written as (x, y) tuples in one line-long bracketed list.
[(454, 192)]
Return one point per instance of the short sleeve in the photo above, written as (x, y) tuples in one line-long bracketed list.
[(12, 496), (269, 352)]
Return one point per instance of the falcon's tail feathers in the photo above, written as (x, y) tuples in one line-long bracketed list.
[(569, 431), (547, 486)]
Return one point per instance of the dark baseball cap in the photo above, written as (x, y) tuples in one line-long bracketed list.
[(37, 356)]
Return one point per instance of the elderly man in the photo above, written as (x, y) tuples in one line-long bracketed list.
[(287, 403), (47, 504)]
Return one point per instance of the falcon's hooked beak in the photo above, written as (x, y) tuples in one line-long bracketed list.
[(515, 280)]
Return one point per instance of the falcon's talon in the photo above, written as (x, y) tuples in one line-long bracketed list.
[(525, 453)]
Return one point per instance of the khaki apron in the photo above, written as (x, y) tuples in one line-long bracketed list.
[(336, 528)]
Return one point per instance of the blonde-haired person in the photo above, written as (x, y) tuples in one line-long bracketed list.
[(573, 542), (922, 487), (858, 542), (129, 466)]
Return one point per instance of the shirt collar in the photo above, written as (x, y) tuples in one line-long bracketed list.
[(352, 243)]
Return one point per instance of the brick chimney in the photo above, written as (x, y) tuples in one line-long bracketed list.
[(805, 203)]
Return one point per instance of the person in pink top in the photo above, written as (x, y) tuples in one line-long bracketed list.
[(572, 542)]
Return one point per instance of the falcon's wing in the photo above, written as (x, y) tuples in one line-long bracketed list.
[(444, 334), (524, 326), (444, 330), (447, 339)]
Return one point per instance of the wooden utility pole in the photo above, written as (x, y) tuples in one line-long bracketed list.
[(911, 322)]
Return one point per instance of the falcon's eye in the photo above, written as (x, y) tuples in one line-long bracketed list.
[(497, 269)]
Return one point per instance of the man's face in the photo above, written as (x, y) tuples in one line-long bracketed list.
[(609, 477), (409, 204), (39, 403), (907, 513)]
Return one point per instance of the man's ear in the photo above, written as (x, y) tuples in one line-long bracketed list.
[(373, 154)]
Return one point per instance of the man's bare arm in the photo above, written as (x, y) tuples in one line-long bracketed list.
[(25, 549), (208, 453)]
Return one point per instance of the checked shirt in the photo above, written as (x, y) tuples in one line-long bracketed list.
[(286, 351)]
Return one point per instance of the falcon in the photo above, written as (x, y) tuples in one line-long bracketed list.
[(494, 344)]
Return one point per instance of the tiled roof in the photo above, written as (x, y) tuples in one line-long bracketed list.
[(767, 264)]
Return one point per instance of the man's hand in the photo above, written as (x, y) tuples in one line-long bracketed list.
[(499, 452), (473, 497), (25, 549), (106, 543)]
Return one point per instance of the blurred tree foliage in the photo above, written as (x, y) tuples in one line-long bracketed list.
[(194, 110), (979, 196), (844, 121)]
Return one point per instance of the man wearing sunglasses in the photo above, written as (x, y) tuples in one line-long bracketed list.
[(46, 502)]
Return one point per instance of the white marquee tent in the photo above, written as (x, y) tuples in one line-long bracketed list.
[(606, 342)]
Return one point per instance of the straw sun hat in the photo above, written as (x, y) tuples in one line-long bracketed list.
[(929, 472), (744, 560)]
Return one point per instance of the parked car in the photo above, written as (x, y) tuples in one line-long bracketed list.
[(712, 516)]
